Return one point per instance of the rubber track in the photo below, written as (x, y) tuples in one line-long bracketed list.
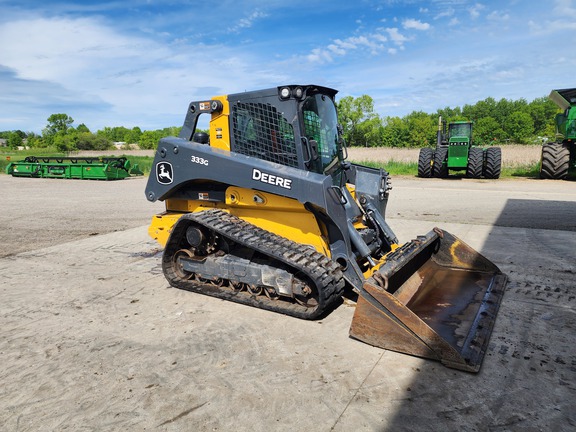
[(324, 273)]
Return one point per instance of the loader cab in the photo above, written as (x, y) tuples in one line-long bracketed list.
[(295, 126)]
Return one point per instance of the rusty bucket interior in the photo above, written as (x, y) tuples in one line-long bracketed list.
[(435, 297)]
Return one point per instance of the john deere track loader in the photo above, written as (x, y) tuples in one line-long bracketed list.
[(264, 210), (559, 157)]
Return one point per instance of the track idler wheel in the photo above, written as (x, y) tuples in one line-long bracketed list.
[(180, 272)]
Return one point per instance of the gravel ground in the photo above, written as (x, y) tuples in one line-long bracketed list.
[(46, 212)]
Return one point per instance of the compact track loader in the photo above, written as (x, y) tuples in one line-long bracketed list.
[(264, 210)]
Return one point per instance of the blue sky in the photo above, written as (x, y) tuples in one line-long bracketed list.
[(140, 62)]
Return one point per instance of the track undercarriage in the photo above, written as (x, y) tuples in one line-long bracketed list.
[(221, 255)]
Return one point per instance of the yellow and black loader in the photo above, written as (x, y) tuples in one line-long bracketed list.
[(265, 210)]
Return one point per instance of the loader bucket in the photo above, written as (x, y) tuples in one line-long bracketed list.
[(434, 297)]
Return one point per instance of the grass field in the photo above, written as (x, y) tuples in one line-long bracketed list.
[(517, 160)]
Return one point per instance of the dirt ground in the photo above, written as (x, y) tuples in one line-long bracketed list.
[(94, 339)]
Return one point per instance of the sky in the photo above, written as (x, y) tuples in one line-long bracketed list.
[(140, 62)]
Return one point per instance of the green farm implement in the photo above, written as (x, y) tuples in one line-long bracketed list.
[(87, 168)]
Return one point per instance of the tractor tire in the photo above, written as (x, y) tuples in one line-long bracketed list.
[(555, 161), (425, 158), (475, 163), (493, 163), (440, 167)]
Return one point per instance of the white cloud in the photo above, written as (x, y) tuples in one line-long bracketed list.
[(447, 13), (61, 49), (336, 49), (565, 8), (81, 64), (498, 16), (340, 47), (565, 20), (318, 55), (475, 10), (248, 21), (551, 27), (415, 24), (397, 37)]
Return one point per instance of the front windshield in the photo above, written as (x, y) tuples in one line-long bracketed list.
[(321, 125), (460, 130)]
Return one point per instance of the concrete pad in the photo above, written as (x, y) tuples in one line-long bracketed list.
[(93, 338)]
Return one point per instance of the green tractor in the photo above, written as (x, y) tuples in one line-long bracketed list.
[(456, 151), (558, 158)]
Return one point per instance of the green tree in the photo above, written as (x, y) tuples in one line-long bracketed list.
[(487, 131), (149, 139), (15, 140), (33, 140), (369, 132), (116, 133), (64, 142), (542, 110), (449, 114), (55, 131), (82, 128), (352, 112), (133, 136), (519, 126), (58, 123), (106, 133), (171, 131), (421, 129), (90, 141), (483, 108), (395, 133)]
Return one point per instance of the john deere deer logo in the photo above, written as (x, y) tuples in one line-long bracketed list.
[(164, 172)]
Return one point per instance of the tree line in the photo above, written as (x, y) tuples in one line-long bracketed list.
[(60, 133), (503, 121)]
